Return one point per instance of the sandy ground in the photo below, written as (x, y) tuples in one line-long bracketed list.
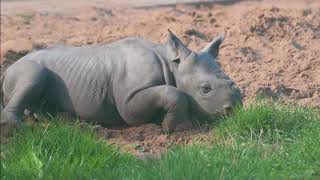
[(271, 47), (10, 7)]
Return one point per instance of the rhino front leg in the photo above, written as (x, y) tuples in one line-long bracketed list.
[(149, 103)]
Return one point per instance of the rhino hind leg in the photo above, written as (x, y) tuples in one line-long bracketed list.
[(23, 87)]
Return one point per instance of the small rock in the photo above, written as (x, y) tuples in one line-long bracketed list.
[(93, 19), (297, 45)]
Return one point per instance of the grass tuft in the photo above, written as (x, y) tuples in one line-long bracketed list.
[(267, 122)]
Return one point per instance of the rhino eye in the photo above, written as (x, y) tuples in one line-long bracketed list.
[(206, 88)]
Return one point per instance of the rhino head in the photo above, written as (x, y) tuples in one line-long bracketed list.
[(198, 74)]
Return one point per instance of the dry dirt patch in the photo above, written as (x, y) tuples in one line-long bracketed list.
[(149, 140)]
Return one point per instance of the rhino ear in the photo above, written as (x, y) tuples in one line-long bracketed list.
[(213, 47), (175, 49)]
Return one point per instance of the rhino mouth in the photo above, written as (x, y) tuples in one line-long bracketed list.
[(199, 114)]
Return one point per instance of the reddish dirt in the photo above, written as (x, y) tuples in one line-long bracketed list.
[(270, 48), (150, 140)]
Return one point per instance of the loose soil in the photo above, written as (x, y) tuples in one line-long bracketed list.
[(271, 49)]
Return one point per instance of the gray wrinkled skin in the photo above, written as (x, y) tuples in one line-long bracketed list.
[(130, 81)]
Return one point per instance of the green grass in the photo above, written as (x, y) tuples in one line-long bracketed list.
[(59, 150), (265, 141), (262, 141)]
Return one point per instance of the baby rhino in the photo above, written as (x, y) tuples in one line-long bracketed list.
[(130, 81)]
